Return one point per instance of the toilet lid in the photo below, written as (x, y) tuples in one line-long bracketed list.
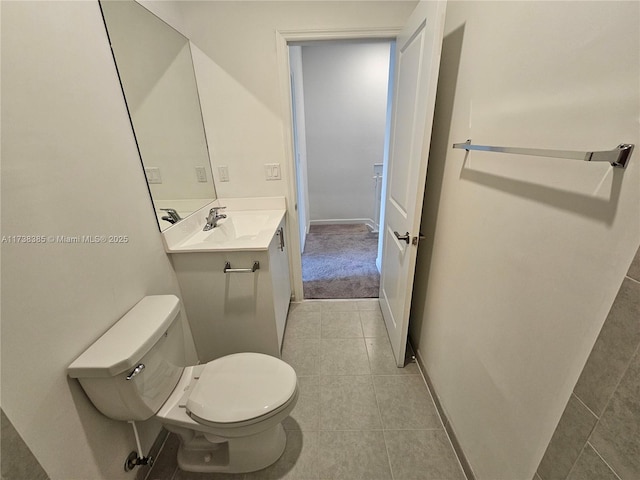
[(240, 387)]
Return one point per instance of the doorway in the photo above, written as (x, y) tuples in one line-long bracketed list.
[(341, 113)]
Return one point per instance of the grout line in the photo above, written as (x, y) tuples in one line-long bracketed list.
[(383, 429), (603, 460), (632, 279), (575, 462), (586, 406), (375, 396), (384, 438), (386, 448), (613, 392)]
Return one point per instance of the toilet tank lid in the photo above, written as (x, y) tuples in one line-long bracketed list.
[(125, 343)]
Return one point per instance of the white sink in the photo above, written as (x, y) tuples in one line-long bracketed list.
[(237, 226), (241, 230)]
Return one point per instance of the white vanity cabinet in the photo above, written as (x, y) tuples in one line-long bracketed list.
[(237, 311)]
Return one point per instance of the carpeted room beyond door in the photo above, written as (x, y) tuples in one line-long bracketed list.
[(339, 261)]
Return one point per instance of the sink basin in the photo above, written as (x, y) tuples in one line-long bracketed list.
[(237, 226), (241, 230)]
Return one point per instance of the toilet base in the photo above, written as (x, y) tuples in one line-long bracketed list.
[(233, 455)]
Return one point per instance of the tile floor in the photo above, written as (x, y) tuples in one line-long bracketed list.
[(358, 416)]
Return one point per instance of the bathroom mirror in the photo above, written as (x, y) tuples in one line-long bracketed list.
[(157, 75)]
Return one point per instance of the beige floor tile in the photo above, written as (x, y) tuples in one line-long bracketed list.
[(303, 354), (341, 325), (369, 304), (298, 462), (353, 455), (422, 454), (305, 306), (339, 305), (182, 475), (343, 356), (306, 414), (348, 403), (303, 324), (405, 403), (373, 324), (382, 360)]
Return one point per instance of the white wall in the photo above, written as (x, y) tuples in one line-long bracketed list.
[(167, 11), (69, 167), (241, 99), (525, 255), (345, 97)]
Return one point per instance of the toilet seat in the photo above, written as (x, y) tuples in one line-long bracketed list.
[(241, 389)]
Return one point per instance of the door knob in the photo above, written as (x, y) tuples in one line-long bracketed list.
[(405, 237)]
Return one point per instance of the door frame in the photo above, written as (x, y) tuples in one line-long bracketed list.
[(283, 37)]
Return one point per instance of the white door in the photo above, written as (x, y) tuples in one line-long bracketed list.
[(300, 178), (299, 142), (417, 64)]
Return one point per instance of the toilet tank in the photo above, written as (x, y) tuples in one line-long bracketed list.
[(130, 371)]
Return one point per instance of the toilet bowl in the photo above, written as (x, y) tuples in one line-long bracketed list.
[(227, 412)]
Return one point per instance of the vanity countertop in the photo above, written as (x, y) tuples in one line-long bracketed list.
[(250, 225)]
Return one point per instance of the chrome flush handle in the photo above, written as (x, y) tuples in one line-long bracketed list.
[(136, 371)]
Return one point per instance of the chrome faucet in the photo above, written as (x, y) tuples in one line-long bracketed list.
[(172, 216), (212, 219)]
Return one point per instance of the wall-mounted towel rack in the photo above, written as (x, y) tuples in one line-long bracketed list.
[(617, 157), (228, 269)]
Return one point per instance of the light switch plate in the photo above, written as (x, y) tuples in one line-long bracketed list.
[(201, 174), (153, 175), (223, 173), (272, 171)]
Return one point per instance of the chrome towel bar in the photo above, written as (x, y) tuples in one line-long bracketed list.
[(617, 157), (228, 269)]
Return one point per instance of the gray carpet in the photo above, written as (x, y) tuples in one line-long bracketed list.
[(339, 261)]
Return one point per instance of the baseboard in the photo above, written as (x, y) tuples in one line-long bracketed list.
[(342, 221), (346, 221), (464, 463)]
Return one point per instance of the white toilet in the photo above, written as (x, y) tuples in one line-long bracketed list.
[(227, 412)]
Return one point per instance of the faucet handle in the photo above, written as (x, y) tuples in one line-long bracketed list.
[(172, 213), (212, 219)]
